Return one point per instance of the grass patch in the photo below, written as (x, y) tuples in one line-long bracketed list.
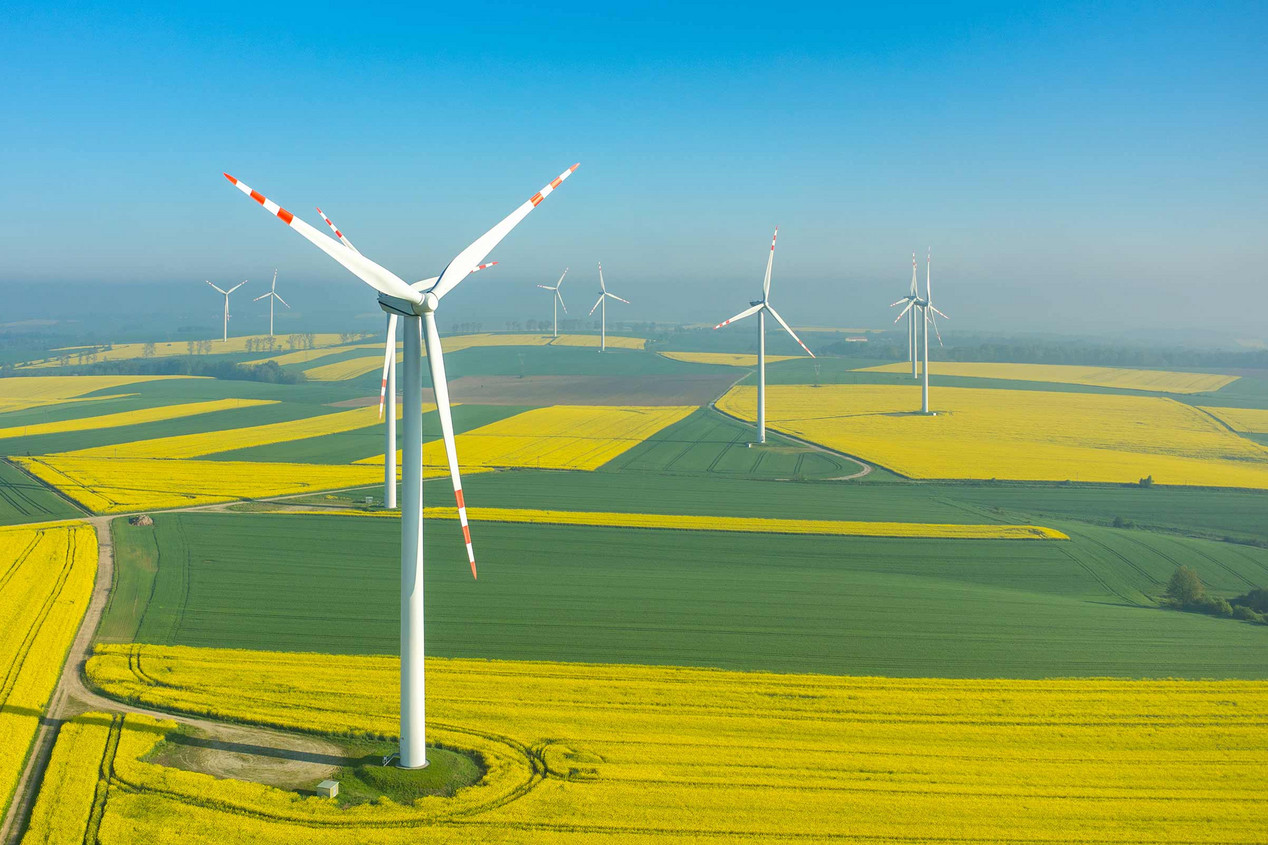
[(368, 781)]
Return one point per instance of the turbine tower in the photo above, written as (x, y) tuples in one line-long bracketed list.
[(270, 296), (387, 388), (604, 296), (417, 304), (911, 317), (927, 311), (558, 299), (760, 307), (226, 293)]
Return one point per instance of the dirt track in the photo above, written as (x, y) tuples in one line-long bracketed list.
[(237, 751)]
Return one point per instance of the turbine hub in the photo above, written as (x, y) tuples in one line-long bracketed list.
[(429, 303)]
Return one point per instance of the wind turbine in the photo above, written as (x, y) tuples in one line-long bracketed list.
[(911, 317), (558, 299), (387, 388), (760, 307), (270, 296), (927, 310), (226, 296), (417, 304), (604, 296)]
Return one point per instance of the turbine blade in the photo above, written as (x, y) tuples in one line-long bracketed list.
[(934, 321), (389, 352), (482, 246), (769, 261), (602, 286), (343, 240), (913, 274), (379, 278), (560, 297), (939, 313), (740, 316), (559, 283), (283, 301), (426, 283), (617, 298), (274, 285), (235, 287), (788, 329), (546, 287), (900, 302), (218, 289), (262, 296), (596, 305), (440, 387), (910, 303)]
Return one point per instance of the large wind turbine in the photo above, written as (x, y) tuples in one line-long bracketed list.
[(911, 317), (417, 304), (387, 388), (927, 311), (760, 307), (226, 293), (558, 299), (602, 304), (270, 296)]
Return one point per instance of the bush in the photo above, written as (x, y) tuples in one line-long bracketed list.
[(1244, 613), (1256, 600), (1147, 481)]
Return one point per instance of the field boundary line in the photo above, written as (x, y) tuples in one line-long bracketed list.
[(867, 466), (76, 505)]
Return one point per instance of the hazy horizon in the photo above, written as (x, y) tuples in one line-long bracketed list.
[(1082, 169)]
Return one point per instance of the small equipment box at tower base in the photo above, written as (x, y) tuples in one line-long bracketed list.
[(328, 788)]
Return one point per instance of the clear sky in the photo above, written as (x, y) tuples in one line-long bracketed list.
[(1075, 167)]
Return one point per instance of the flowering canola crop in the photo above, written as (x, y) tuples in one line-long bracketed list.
[(579, 437), (726, 359), (1247, 420), (1014, 434), (598, 753), (1160, 381), (167, 349), (123, 485), (211, 442), (17, 394), (46, 578), (124, 418), (751, 525)]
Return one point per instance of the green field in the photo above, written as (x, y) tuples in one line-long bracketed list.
[(787, 603), (708, 442), (24, 499)]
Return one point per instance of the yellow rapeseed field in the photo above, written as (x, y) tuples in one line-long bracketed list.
[(350, 369), (142, 415), (580, 437), (1159, 381), (211, 442), (166, 349), (726, 359), (70, 781), (1247, 420), (17, 394), (592, 340), (46, 578), (749, 525), (613, 754), (124, 485), (1014, 434)]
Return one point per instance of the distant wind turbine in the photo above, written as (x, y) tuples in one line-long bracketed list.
[(760, 307), (911, 317), (927, 310), (226, 293), (558, 299), (270, 296), (417, 304), (602, 304)]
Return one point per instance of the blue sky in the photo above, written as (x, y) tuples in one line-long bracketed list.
[(1092, 166)]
